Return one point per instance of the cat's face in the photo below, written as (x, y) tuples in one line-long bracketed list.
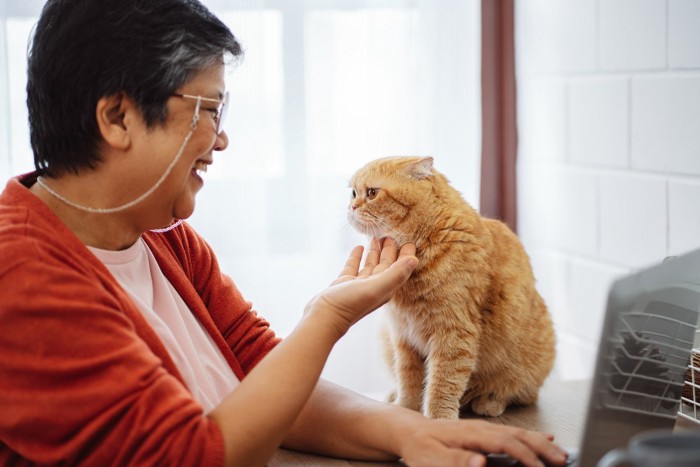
[(384, 195)]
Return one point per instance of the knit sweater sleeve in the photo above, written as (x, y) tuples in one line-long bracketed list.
[(246, 333), (78, 384)]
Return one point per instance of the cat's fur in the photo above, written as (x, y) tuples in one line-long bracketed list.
[(468, 328)]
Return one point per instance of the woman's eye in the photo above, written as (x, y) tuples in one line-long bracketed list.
[(372, 192)]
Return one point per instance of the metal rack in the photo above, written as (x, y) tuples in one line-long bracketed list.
[(650, 356), (690, 397)]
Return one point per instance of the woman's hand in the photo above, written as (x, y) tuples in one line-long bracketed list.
[(359, 291), (341, 423), (462, 442)]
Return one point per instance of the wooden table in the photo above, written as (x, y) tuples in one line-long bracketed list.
[(560, 411)]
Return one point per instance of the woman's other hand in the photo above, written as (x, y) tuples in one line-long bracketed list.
[(463, 442)]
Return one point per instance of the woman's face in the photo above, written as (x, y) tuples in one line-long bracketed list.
[(160, 145)]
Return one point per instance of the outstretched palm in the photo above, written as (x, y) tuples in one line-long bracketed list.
[(382, 254), (360, 290)]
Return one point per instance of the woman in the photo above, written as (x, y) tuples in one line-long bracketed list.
[(121, 341)]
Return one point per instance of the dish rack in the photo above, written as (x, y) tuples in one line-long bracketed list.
[(690, 396), (646, 367)]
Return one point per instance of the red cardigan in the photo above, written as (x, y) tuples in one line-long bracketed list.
[(83, 378)]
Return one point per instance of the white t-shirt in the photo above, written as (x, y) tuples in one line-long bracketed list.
[(200, 362)]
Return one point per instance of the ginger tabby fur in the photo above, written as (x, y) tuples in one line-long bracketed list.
[(468, 328)]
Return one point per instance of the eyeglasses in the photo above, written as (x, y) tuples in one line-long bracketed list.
[(221, 109)]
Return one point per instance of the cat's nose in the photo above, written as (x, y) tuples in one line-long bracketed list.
[(354, 207)]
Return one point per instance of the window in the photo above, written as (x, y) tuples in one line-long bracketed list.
[(325, 86)]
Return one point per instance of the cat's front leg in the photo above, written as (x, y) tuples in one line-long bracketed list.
[(409, 369), (448, 372)]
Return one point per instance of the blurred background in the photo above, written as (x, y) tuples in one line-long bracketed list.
[(588, 109)]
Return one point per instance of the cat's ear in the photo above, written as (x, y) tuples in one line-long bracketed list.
[(421, 169)]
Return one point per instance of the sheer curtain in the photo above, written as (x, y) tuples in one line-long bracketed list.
[(325, 86)]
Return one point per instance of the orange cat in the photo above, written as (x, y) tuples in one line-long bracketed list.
[(468, 328)]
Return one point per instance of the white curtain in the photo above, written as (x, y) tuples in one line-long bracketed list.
[(325, 86)]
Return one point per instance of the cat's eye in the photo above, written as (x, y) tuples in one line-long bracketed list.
[(354, 195), (372, 192)]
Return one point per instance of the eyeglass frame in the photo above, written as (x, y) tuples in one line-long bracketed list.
[(220, 116)]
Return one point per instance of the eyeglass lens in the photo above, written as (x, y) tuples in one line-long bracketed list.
[(223, 111)]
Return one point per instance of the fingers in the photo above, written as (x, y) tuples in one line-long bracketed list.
[(528, 447), (394, 276), (407, 249), (390, 252), (381, 255), (373, 256), (378, 288), (535, 446), (353, 263)]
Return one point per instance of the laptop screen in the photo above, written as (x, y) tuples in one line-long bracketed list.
[(649, 331)]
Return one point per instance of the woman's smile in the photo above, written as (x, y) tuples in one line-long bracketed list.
[(199, 169)]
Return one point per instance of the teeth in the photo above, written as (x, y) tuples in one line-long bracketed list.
[(200, 167)]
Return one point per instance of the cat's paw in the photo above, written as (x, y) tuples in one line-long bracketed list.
[(409, 403), (488, 407), (444, 409), (391, 397), (444, 414)]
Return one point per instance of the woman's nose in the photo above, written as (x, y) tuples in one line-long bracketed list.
[(221, 141)]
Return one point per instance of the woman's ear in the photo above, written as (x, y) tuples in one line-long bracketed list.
[(114, 119)]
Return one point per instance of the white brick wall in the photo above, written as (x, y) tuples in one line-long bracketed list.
[(598, 121), (665, 114), (683, 33), (632, 34), (684, 221), (609, 150)]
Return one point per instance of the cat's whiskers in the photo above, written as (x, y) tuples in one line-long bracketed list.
[(399, 236), (374, 228), (346, 236)]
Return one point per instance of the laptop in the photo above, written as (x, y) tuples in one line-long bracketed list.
[(649, 329)]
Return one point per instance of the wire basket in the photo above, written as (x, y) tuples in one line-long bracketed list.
[(645, 371), (690, 396)]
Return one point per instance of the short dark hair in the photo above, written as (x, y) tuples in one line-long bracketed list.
[(83, 50)]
